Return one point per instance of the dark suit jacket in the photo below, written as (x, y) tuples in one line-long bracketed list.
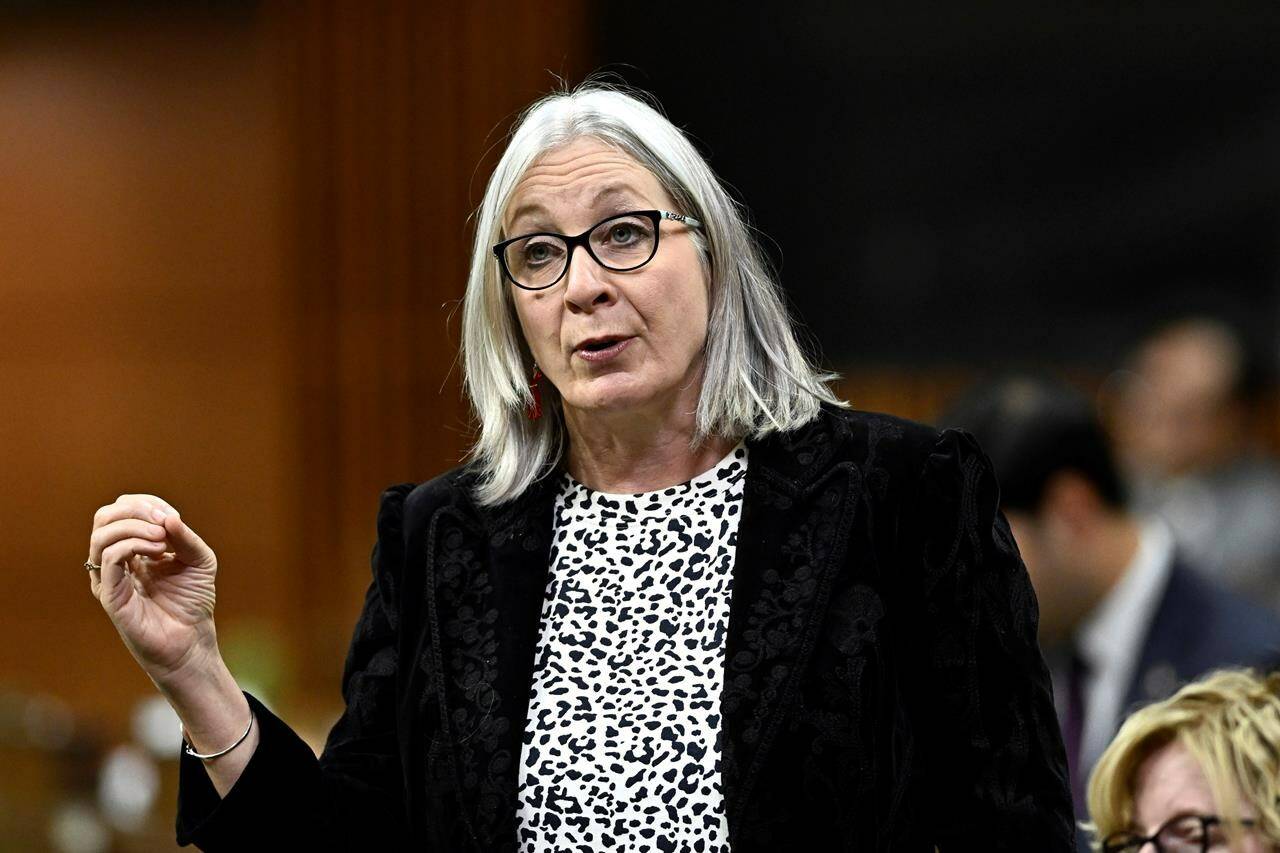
[(1200, 626), (883, 686)]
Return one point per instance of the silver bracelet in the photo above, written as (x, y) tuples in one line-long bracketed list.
[(186, 745)]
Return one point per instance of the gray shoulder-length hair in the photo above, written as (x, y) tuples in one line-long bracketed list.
[(756, 377)]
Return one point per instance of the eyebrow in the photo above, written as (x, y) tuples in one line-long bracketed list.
[(611, 191)]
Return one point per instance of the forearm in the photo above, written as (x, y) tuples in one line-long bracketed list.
[(214, 714)]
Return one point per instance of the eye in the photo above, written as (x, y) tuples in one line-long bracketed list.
[(1192, 832), (537, 252), (1215, 839), (626, 232), (622, 233), (1125, 842)]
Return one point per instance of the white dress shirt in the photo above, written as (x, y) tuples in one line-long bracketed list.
[(1111, 638)]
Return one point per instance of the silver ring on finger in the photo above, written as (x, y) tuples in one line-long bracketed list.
[(90, 566)]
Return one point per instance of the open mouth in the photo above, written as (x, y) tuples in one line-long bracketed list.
[(599, 345), (602, 348)]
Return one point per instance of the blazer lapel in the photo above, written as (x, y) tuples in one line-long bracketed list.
[(797, 514), (1157, 673), (487, 574)]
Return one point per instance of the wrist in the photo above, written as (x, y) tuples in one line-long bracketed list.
[(211, 756), (210, 704), (200, 671)]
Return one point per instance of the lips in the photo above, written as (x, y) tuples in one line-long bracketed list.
[(601, 348)]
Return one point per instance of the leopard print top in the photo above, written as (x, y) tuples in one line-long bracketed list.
[(622, 749)]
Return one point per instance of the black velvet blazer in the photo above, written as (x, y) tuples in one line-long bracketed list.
[(883, 685)]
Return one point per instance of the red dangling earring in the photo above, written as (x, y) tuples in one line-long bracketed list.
[(534, 409)]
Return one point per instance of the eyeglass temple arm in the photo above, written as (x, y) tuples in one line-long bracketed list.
[(680, 217)]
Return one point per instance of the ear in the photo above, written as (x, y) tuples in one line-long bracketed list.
[(1071, 498)]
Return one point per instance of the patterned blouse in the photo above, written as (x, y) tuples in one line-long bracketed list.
[(622, 747)]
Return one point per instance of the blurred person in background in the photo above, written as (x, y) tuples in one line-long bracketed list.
[(1183, 431), (681, 598), (1197, 772), (1123, 618)]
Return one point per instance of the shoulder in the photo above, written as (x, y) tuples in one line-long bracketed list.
[(414, 504), (933, 493), (405, 511), (1234, 629), (452, 494), (887, 430), (882, 446)]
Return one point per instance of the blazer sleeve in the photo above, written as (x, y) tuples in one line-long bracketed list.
[(992, 751), (352, 796)]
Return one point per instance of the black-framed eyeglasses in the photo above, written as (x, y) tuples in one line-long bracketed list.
[(624, 242), (1184, 834)]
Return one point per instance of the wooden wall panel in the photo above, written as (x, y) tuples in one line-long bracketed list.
[(395, 110), (141, 290), (230, 247)]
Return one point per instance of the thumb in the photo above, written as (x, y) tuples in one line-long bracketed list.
[(187, 547)]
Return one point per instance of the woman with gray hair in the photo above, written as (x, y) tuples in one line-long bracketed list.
[(680, 597)]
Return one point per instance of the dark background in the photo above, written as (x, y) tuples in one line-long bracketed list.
[(1033, 183)]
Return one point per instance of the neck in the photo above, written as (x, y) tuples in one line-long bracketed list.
[(1116, 546), (629, 453)]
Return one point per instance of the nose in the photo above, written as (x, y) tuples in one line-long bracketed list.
[(587, 286)]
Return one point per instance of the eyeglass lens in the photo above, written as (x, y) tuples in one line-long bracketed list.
[(621, 243), (1188, 834)]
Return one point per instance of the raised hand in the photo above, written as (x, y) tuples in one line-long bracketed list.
[(156, 583)]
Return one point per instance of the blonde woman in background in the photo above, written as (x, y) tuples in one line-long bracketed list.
[(1199, 771)]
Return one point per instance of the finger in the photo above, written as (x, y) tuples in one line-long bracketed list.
[(187, 547), (116, 557), (128, 528), (95, 583), (142, 507), (147, 499)]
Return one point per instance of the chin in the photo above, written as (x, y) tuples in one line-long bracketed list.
[(612, 393)]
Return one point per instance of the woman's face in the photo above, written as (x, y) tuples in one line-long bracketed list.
[(611, 342), (1170, 783)]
